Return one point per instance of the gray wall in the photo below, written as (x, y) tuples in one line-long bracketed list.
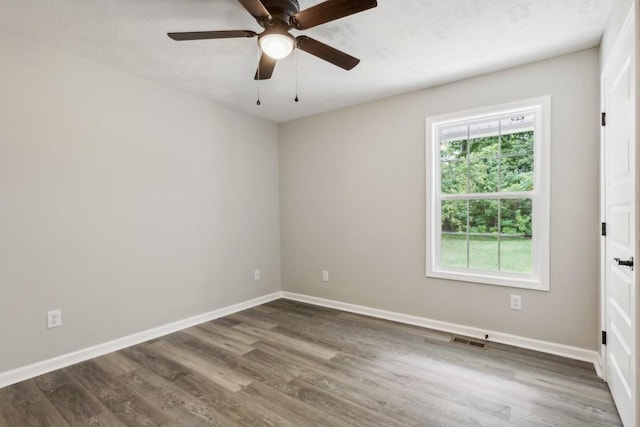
[(124, 203), (352, 188)]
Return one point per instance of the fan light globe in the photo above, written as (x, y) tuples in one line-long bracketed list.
[(277, 46)]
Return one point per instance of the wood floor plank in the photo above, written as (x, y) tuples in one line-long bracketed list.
[(246, 412), (160, 393), (243, 318), (227, 378), (182, 407), (156, 362), (74, 402), (114, 394), (218, 340), (294, 410), (230, 361), (333, 403), (116, 364), (288, 341), (24, 405), (287, 363), (229, 332)]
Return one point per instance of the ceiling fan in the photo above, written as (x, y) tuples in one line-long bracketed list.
[(278, 17)]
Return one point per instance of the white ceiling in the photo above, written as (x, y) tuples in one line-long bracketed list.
[(404, 45)]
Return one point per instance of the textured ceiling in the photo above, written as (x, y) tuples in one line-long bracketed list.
[(404, 45)]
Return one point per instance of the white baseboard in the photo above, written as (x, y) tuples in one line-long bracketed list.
[(597, 364), (39, 368), (575, 353)]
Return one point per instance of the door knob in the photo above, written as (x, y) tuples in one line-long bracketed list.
[(627, 263)]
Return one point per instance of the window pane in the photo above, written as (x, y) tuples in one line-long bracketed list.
[(515, 254), (454, 250), (483, 216), (516, 173), (454, 177), (515, 217), (483, 253), (454, 216), (517, 143), (453, 150), (484, 147), (483, 175), (454, 238)]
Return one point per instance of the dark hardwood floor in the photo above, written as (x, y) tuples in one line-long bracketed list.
[(292, 364)]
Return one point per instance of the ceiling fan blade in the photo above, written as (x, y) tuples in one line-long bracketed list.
[(265, 67), (326, 52), (255, 8), (330, 10), (204, 35)]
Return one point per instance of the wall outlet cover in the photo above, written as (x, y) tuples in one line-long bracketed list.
[(516, 302), (54, 318)]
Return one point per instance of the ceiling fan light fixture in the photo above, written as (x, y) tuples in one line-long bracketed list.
[(276, 45)]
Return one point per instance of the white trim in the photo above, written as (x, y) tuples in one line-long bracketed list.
[(570, 352), (602, 356), (598, 365), (30, 371)]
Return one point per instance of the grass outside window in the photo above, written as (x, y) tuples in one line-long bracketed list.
[(515, 253)]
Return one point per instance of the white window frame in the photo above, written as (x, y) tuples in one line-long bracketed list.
[(539, 279)]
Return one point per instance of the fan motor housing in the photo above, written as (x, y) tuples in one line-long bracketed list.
[(280, 10)]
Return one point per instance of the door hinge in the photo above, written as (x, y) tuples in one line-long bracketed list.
[(603, 229), (604, 337), (604, 119)]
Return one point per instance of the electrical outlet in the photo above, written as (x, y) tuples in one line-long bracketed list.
[(325, 276), (256, 275), (516, 302), (54, 318)]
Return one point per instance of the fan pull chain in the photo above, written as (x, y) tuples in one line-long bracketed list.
[(258, 81), (295, 54)]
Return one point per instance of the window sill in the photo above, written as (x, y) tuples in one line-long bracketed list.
[(479, 277)]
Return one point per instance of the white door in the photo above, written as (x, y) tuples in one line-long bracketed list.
[(618, 80)]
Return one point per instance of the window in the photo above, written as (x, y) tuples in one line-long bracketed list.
[(488, 195)]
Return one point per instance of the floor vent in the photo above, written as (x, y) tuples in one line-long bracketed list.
[(465, 341)]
